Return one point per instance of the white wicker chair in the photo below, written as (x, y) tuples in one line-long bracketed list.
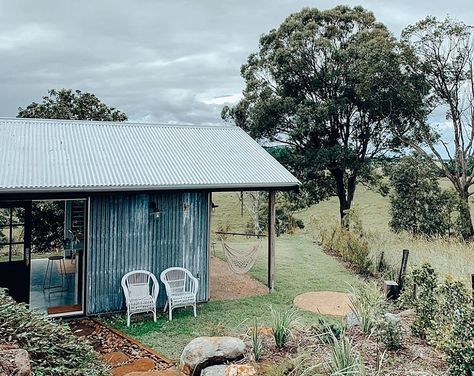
[(140, 288), (181, 289)]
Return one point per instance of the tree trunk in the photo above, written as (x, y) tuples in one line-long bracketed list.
[(344, 194), (467, 230)]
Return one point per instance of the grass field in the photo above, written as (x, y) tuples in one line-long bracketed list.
[(447, 256)]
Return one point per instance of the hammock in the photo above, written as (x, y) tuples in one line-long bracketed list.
[(239, 262)]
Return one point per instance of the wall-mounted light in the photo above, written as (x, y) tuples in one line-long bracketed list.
[(214, 206), (154, 211)]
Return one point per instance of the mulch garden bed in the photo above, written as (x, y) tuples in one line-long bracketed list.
[(416, 357), (123, 353)]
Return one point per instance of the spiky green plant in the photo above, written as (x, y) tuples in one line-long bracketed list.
[(257, 344), (282, 322), (367, 304), (344, 359)]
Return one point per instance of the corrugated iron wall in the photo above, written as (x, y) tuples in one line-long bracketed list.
[(123, 236)]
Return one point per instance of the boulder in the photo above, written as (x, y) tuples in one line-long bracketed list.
[(14, 362), (202, 352)]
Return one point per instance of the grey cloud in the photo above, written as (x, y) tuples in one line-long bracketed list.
[(156, 60)]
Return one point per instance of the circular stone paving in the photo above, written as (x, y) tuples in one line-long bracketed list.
[(324, 302)]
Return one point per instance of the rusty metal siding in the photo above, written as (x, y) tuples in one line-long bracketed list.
[(124, 237)]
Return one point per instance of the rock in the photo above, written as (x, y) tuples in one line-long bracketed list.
[(240, 370), (229, 370), (14, 362), (202, 352), (165, 372), (115, 358), (140, 365), (214, 370), (392, 318), (351, 320)]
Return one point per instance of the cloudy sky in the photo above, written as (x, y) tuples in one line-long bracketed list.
[(163, 61)]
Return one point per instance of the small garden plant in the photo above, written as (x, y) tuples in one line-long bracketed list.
[(282, 322), (257, 344), (367, 305), (344, 359), (388, 329), (53, 349)]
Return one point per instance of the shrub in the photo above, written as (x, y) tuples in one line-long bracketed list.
[(367, 303), (389, 331), (282, 322), (459, 346), (350, 246), (425, 281), (344, 359), (445, 316), (453, 329), (53, 349), (257, 345)]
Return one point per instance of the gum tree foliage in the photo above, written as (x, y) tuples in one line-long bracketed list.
[(48, 216), (442, 51), (328, 85), (72, 105), (418, 204)]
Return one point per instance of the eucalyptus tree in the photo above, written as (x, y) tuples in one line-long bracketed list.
[(443, 53), (72, 105), (48, 216), (330, 86)]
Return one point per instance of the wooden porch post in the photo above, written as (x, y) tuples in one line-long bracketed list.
[(271, 241)]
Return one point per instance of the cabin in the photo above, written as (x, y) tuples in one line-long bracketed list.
[(84, 202)]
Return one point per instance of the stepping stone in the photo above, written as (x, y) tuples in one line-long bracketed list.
[(328, 303), (165, 372), (115, 358), (140, 365)]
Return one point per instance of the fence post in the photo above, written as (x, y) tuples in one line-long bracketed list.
[(472, 285), (403, 269)]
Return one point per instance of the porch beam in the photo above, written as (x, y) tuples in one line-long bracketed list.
[(271, 241)]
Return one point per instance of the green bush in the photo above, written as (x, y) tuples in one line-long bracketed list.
[(444, 315), (424, 282), (388, 329), (453, 329), (350, 246), (53, 349)]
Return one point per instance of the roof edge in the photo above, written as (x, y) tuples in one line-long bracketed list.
[(188, 187), (117, 123)]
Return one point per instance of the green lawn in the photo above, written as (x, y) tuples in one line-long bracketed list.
[(301, 267)]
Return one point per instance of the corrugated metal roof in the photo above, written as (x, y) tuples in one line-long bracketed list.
[(61, 155)]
